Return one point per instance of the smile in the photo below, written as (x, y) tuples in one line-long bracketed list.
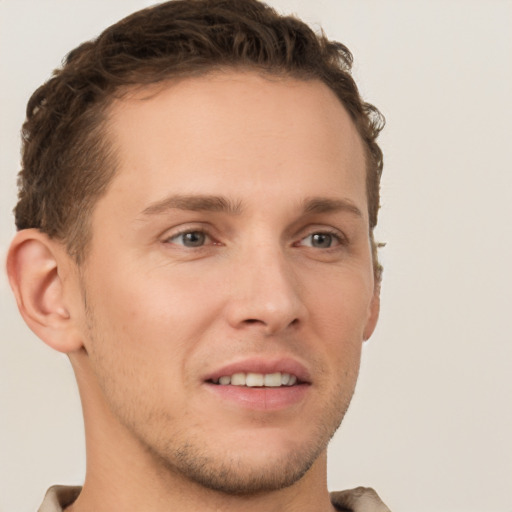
[(260, 383), (252, 380)]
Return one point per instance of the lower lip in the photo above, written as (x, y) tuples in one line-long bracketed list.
[(263, 399)]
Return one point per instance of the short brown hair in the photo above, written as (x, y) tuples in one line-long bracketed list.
[(67, 162)]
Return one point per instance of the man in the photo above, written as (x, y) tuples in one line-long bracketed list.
[(196, 210)]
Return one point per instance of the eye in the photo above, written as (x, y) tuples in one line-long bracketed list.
[(321, 240), (190, 239)]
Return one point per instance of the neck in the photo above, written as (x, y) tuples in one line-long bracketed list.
[(122, 474)]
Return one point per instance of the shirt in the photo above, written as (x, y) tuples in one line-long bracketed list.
[(361, 499)]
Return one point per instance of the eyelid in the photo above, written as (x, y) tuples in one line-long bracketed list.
[(339, 235), (169, 235), (174, 233)]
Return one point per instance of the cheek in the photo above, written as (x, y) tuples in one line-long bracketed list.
[(338, 312), (341, 301), (153, 315)]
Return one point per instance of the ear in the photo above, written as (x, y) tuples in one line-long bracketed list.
[(38, 269), (373, 312)]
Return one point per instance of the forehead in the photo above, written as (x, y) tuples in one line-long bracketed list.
[(237, 131)]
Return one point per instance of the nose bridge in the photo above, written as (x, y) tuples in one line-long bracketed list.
[(266, 292)]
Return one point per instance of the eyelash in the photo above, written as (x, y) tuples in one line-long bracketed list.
[(338, 237), (187, 231)]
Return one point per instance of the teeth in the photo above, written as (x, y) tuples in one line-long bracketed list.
[(254, 380), (238, 379), (271, 380)]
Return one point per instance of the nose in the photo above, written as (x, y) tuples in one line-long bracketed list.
[(265, 293)]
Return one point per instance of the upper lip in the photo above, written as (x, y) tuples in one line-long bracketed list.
[(262, 365)]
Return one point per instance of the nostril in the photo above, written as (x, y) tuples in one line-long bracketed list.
[(254, 321)]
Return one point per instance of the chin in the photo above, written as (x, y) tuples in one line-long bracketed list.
[(249, 462), (244, 475)]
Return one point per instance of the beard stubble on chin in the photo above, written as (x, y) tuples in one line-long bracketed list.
[(187, 456), (238, 477), (231, 474)]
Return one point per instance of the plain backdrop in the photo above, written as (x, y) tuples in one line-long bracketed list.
[(430, 426)]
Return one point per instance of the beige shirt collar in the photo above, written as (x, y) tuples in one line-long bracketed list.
[(361, 499)]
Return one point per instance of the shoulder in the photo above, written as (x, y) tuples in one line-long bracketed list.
[(360, 499), (59, 497)]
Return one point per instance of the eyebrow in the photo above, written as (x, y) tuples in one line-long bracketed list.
[(194, 203), (314, 205), (328, 205)]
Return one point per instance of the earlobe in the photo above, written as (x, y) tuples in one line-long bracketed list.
[(34, 264), (373, 314)]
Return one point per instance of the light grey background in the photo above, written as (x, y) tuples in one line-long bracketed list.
[(431, 423)]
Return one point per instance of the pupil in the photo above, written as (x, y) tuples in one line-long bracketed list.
[(193, 239), (322, 240)]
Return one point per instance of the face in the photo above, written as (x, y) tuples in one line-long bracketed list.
[(229, 283)]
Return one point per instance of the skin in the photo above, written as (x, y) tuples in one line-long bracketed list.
[(150, 316)]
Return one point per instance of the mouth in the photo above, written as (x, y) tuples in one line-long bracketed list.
[(260, 372), (260, 384), (258, 380)]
